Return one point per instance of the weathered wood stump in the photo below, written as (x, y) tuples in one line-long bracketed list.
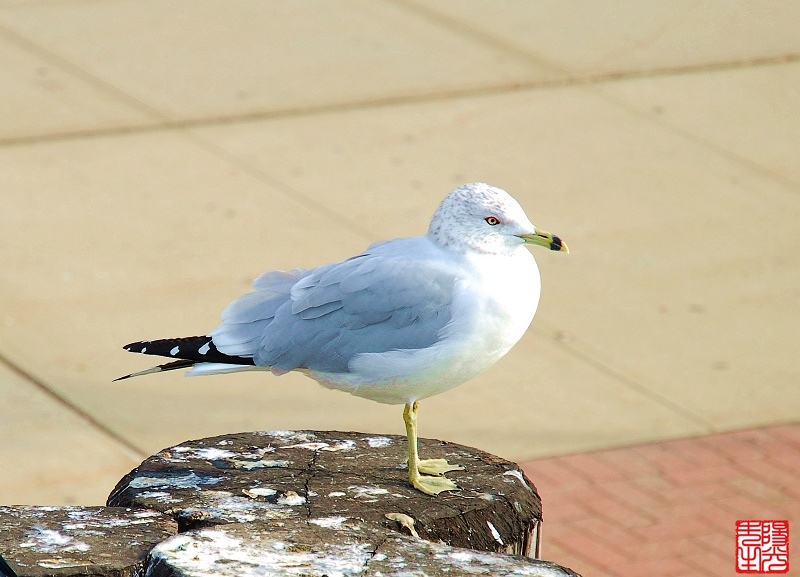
[(67, 541), (350, 479), (240, 550), (288, 503)]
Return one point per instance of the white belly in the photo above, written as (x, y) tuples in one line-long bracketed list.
[(490, 314)]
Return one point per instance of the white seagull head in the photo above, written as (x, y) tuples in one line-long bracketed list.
[(477, 217)]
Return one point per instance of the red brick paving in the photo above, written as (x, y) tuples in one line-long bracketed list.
[(668, 509)]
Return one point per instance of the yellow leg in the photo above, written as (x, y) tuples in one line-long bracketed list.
[(427, 484)]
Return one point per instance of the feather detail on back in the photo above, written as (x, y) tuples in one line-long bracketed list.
[(321, 319)]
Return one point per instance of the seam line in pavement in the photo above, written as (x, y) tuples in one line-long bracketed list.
[(72, 407), (629, 382), (474, 34), (379, 102), (280, 186), (79, 73), (722, 151)]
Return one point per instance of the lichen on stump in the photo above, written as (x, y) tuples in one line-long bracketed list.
[(350, 479)]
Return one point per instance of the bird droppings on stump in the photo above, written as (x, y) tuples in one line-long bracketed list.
[(78, 541), (243, 550), (288, 503), (346, 480)]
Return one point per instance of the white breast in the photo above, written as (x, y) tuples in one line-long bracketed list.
[(492, 309)]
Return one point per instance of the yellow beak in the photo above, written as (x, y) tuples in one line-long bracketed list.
[(544, 239)]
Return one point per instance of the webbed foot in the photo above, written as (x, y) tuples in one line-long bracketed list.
[(436, 466), (428, 484), (432, 485)]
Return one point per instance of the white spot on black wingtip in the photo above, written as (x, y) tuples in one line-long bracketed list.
[(137, 347), (175, 351), (205, 348)]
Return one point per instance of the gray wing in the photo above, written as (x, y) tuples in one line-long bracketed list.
[(321, 319)]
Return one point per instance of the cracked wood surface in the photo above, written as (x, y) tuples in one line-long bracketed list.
[(299, 549), (288, 503), (73, 541), (312, 476)]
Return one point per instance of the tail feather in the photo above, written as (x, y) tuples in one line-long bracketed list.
[(189, 351), (181, 364)]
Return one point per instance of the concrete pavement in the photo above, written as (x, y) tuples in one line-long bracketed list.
[(156, 156)]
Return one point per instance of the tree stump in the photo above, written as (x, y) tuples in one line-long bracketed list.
[(242, 550), (288, 503), (72, 541), (344, 479)]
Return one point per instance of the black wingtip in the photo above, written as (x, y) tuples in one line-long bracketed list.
[(200, 349), (137, 347)]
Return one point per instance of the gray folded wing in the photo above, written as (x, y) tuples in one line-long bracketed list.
[(321, 319)]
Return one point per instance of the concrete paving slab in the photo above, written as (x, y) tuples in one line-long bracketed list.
[(136, 264), (753, 113), (541, 400), (50, 455), (674, 314), (107, 241), (661, 286), (598, 38), (241, 57), (164, 253), (41, 97), (144, 211)]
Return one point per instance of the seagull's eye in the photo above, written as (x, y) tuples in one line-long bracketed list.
[(492, 220)]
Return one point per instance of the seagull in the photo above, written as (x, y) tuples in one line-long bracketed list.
[(406, 319)]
